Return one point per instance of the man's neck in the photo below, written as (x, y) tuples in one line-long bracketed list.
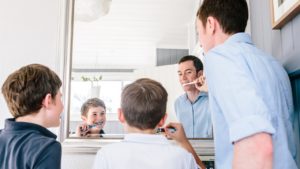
[(192, 95), (222, 37)]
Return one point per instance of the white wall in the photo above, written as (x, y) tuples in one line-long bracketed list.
[(77, 161), (29, 33)]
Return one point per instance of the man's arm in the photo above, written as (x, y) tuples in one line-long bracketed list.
[(253, 152)]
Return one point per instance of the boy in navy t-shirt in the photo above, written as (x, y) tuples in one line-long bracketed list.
[(34, 100)]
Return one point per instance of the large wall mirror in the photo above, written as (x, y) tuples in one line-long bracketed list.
[(111, 44)]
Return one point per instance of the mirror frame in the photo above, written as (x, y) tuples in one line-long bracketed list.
[(203, 147)]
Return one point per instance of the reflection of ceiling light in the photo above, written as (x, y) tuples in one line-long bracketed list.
[(90, 10)]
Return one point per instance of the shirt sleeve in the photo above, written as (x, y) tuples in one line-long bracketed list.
[(51, 157), (236, 94), (100, 162)]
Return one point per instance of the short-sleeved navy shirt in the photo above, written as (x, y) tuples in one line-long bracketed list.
[(28, 146)]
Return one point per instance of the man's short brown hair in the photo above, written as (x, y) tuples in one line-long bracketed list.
[(93, 102), (25, 89), (196, 61), (231, 14), (144, 103)]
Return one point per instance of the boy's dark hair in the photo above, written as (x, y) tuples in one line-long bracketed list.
[(144, 103), (231, 14), (197, 62), (93, 102), (25, 89)]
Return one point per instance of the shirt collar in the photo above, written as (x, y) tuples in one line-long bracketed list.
[(198, 97), (239, 37), (202, 94), (146, 138), (12, 125)]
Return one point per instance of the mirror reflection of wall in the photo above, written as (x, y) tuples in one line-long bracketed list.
[(130, 41)]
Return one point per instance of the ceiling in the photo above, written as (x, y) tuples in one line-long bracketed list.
[(127, 37)]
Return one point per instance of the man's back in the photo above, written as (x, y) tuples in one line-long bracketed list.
[(251, 94), (28, 146), (145, 151)]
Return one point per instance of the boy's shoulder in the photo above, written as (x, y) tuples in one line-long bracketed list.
[(34, 135), (31, 141), (128, 146), (129, 153), (33, 148)]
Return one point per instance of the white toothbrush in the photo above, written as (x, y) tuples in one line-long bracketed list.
[(190, 83)]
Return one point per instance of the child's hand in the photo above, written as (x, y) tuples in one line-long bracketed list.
[(82, 130), (85, 130), (178, 135)]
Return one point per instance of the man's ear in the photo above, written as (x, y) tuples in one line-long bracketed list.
[(121, 115), (162, 121), (47, 100), (211, 25)]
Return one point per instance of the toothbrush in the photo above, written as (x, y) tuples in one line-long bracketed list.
[(190, 83)]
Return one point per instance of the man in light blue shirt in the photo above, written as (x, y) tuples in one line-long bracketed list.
[(192, 108), (249, 92)]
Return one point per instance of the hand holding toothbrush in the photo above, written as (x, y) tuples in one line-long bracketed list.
[(199, 83)]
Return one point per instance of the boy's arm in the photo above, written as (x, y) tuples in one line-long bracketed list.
[(186, 145), (255, 151), (180, 137)]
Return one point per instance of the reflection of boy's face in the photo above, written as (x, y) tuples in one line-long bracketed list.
[(94, 115)]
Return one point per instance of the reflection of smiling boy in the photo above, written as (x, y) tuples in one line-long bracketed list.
[(93, 114)]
